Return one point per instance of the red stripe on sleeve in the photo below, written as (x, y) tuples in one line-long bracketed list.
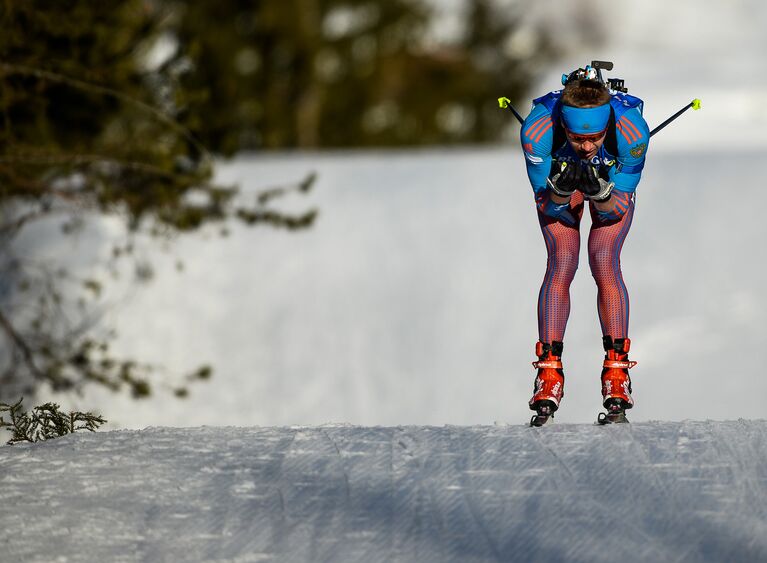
[(620, 128), (627, 134), (540, 135), (631, 127), (536, 125)]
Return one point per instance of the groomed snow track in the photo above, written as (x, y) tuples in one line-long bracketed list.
[(658, 491)]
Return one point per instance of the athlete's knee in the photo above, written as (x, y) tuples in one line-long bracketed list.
[(603, 260), (564, 261)]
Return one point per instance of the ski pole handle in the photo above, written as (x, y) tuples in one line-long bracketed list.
[(695, 104), (505, 103)]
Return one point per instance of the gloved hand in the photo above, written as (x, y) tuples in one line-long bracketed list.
[(566, 179), (593, 186), (558, 211)]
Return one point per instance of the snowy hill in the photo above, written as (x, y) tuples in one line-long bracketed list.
[(683, 491)]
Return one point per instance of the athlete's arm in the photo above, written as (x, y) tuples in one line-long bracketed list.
[(633, 136), (536, 136)]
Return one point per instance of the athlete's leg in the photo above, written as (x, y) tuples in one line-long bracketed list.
[(605, 243), (562, 245)]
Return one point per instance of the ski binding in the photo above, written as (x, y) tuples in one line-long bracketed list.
[(616, 413), (544, 412)]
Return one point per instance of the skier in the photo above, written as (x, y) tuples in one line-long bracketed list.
[(586, 142)]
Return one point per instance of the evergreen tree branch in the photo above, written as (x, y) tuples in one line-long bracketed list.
[(82, 159), (24, 70), (45, 422)]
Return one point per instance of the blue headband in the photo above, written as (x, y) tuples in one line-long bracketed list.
[(586, 121)]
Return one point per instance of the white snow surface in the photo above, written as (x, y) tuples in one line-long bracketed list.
[(656, 491)]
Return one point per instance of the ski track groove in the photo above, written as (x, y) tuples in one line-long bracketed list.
[(651, 471), (575, 549), (439, 512), (406, 506), (747, 467), (341, 460), (472, 508), (661, 489), (749, 487)]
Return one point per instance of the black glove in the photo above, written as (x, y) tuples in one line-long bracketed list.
[(593, 186), (566, 179)]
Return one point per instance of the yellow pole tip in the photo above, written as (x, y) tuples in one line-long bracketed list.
[(503, 102), (696, 104)]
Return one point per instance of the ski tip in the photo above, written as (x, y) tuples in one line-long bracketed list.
[(695, 103)]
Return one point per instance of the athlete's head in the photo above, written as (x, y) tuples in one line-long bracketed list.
[(585, 114)]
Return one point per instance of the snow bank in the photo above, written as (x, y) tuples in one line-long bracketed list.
[(682, 491)]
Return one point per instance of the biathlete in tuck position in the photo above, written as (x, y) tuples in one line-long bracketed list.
[(585, 142)]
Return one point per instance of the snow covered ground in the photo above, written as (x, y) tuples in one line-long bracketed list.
[(683, 492)]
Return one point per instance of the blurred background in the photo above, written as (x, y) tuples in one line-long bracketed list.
[(313, 211)]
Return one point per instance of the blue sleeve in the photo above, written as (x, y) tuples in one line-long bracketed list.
[(633, 139), (537, 136)]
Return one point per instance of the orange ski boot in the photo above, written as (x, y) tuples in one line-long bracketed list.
[(549, 382), (616, 383)]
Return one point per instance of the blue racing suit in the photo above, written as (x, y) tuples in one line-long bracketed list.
[(620, 160)]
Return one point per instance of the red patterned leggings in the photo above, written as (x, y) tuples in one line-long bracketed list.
[(563, 245)]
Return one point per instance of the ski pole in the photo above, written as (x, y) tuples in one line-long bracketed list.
[(695, 104), (505, 103)]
